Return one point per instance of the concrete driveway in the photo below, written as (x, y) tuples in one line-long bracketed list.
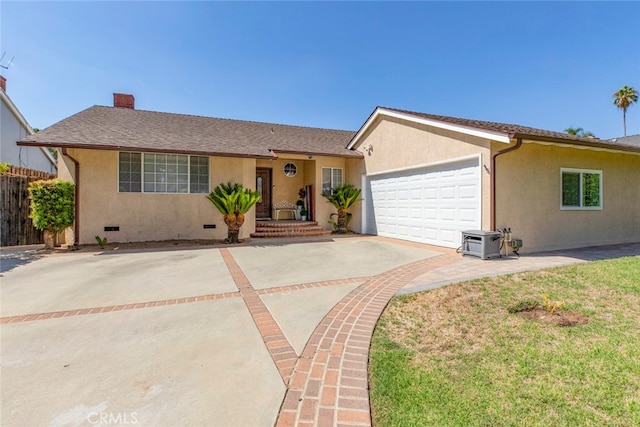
[(199, 336), (252, 335)]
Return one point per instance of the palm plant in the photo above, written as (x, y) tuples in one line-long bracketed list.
[(578, 132), (623, 99), (233, 201), (343, 197)]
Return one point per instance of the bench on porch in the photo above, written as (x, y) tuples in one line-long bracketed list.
[(286, 207)]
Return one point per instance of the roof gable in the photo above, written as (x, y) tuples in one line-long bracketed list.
[(111, 128), (23, 122), (501, 132)]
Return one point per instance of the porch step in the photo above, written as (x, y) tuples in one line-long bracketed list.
[(285, 229)]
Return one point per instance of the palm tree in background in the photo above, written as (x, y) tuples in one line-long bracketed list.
[(579, 132), (623, 99)]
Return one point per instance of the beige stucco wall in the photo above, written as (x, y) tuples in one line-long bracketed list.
[(355, 168), (528, 197), (148, 216), (400, 144)]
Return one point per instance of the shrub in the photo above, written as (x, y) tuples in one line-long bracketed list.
[(551, 306), (342, 197), (4, 168), (233, 201), (524, 305), (52, 206)]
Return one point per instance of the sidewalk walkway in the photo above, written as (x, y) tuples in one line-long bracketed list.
[(330, 380)]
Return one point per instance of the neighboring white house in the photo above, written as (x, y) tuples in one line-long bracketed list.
[(14, 127)]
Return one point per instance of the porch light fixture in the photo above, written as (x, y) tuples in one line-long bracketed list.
[(290, 169)]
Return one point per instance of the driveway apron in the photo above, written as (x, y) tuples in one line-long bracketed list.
[(245, 335), (201, 336)]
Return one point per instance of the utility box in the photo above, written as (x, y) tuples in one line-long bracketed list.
[(483, 244)]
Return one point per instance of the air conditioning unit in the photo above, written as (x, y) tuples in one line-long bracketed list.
[(483, 244)]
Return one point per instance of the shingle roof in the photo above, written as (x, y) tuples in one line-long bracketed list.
[(628, 140), (525, 132), (128, 129)]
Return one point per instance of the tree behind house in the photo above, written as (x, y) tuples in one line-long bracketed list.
[(623, 100), (579, 132)]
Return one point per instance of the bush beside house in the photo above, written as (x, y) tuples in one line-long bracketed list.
[(52, 207)]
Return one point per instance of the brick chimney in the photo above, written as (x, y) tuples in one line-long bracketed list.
[(123, 100), (3, 83)]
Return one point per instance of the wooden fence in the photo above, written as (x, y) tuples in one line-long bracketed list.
[(16, 228)]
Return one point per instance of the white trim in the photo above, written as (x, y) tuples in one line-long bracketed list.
[(581, 208), (363, 204), (582, 147), (478, 157), (160, 192), (494, 136), (284, 167), (332, 183)]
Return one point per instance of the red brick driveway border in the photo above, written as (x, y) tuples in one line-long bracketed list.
[(281, 351), (110, 308), (329, 385)]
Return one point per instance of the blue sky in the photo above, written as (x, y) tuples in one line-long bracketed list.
[(550, 65)]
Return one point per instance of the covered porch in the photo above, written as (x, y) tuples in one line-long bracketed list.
[(291, 186)]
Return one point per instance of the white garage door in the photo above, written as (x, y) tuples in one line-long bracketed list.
[(428, 205)]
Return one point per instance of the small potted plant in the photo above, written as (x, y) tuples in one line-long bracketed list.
[(303, 214)]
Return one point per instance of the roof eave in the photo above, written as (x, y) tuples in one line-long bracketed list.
[(381, 111), (353, 154), (587, 144), (146, 150)]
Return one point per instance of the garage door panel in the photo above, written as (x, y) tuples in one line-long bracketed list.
[(431, 193), (468, 215), (448, 192), (416, 213), (429, 233), (450, 236), (428, 205), (448, 214), (430, 214), (467, 191)]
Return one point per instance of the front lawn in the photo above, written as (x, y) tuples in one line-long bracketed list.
[(456, 356)]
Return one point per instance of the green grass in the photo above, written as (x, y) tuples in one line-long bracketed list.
[(455, 356)]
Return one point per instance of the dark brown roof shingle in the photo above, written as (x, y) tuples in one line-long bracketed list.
[(525, 132), (127, 129)]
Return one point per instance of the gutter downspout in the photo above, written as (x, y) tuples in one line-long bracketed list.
[(492, 214), (76, 223)]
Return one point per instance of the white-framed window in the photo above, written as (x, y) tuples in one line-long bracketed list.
[(581, 189), (162, 173), (290, 169), (331, 178)]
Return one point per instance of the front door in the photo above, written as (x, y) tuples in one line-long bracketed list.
[(263, 186)]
